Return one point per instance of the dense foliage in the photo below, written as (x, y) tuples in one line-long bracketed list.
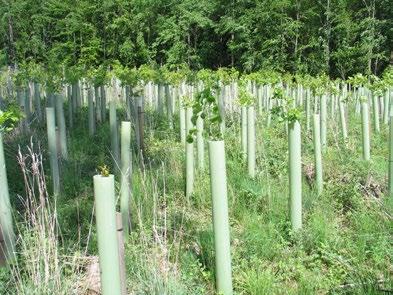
[(244, 72), (338, 38)]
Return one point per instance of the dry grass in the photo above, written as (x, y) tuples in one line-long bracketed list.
[(41, 267)]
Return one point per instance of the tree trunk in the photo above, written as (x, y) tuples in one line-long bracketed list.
[(11, 40), (328, 31)]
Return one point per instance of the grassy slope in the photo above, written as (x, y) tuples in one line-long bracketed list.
[(347, 236)]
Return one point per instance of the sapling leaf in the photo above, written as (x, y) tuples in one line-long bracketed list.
[(210, 98), (190, 139), (104, 170), (215, 119)]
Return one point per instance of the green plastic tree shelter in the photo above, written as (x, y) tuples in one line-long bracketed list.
[(244, 131), (323, 118), (70, 107), (37, 101), (268, 110), (137, 103), (27, 105), (189, 156), (295, 175), (343, 122), (390, 177), (365, 131), (97, 98), (386, 108), (221, 108), (91, 117), (78, 95), (251, 141), (7, 237), (160, 99), (74, 90), (128, 100), (200, 144), (308, 109), (218, 185), (169, 105), (108, 249), (318, 154), (260, 99), (141, 126), (122, 264), (52, 143), (333, 106), (375, 101), (182, 118), (103, 103), (60, 119), (126, 170), (114, 132)]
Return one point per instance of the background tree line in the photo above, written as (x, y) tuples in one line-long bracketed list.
[(336, 37)]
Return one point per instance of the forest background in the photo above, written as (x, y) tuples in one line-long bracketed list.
[(335, 37)]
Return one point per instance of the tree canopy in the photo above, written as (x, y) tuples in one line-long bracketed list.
[(334, 37)]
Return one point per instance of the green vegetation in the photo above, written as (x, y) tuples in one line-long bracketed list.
[(343, 246), (339, 38), (108, 249), (196, 147)]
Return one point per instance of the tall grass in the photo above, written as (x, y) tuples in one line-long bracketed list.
[(344, 247), (42, 267)]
